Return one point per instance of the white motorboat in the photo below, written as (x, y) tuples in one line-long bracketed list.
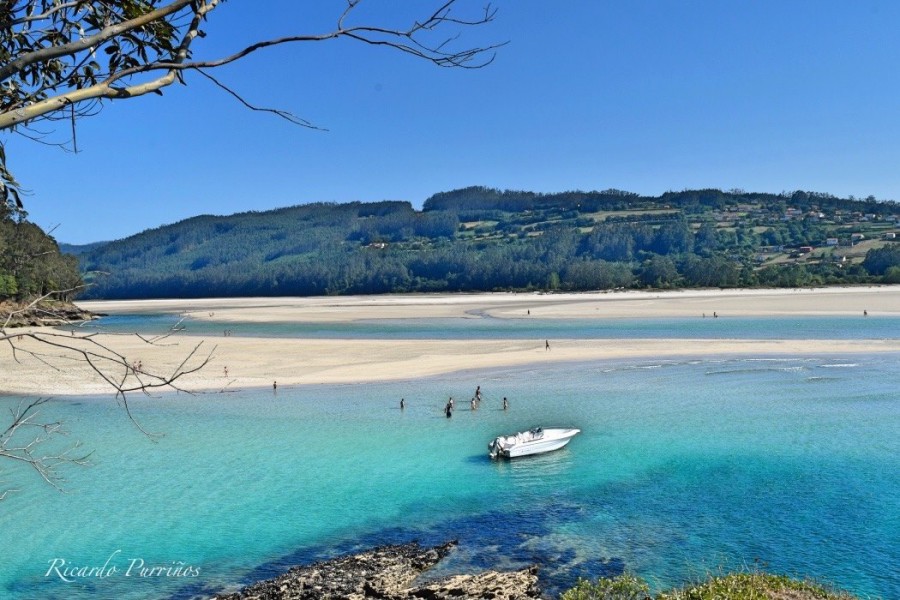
[(533, 441)]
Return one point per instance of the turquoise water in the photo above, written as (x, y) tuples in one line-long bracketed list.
[(857, 327), (683, 467)]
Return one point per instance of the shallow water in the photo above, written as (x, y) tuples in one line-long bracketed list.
[(683, 467), (840, 327)]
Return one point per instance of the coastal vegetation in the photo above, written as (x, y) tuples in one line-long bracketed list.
[(623, 587), (31, 264), (733, 586), (483, 239)]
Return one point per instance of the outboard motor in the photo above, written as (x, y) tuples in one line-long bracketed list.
[(493, 448)]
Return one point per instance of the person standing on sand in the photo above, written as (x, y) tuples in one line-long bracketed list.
[(546, 345)]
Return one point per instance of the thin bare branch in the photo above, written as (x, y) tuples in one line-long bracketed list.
[(277, 112), (105, 362), (27, 433)]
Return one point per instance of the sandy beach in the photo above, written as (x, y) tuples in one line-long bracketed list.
[(236, 362)]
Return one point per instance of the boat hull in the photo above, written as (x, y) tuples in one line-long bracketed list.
[(535, 441)]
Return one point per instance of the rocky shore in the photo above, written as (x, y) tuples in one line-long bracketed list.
[(390, 573), (44, 314)]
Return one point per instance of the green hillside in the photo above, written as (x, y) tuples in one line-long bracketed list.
[(482, 239), (31, 265)]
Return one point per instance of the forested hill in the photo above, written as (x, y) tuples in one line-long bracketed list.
[(31, 265), (481, 239)]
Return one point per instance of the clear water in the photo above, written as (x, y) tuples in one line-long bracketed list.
[(489, 328), (683, 467)]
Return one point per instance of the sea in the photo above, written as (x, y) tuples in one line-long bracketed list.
[(684, 467)]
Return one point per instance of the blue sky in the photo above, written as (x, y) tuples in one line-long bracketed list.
[(640, 95)]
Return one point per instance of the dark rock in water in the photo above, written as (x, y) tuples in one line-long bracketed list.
[(389, 573)]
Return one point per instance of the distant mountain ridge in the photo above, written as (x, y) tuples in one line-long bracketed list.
[(76, 249), (479, 238)]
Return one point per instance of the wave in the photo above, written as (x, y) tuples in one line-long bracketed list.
[(739, 371), (820, 379), (778, 359)]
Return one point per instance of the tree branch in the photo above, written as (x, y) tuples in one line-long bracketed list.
[(37, 433), (109, 365), (403, 40), (45, 15), (277, 112), (86, 43)]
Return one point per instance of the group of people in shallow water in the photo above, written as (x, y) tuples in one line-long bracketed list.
[(450, 406)]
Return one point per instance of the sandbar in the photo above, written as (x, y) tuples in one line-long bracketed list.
[(239, 362)]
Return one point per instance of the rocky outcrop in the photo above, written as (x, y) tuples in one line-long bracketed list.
[(491, 585), (389, 573), (44, 314)]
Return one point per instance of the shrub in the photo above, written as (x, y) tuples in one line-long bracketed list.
[(623, 587), (753, 586)]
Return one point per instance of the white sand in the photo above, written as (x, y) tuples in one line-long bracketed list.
[(691, 303), (260, 361)]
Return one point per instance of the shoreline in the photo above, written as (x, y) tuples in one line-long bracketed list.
[(883, 300), (256, 362)]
